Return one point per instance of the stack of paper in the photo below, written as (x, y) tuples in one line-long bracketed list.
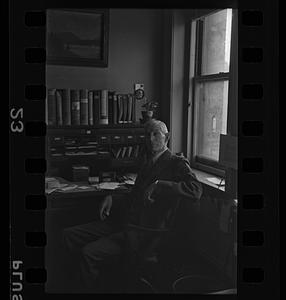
[(67, 187), (128, 181), (215, 180), (51, 182), (108, 185)]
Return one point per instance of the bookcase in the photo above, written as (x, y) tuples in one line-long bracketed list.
[(95, 129)]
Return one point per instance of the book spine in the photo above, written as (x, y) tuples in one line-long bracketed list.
[(120, 108), (90, 107), (75, 107), (83, 107), (103, 117), (66, 106), (133, 109), (114, 152), (136, 151), (52, 107), (129, 108), (123, 152), (59, 108), (125, 107), (96, 106), (115, 108), (118, 152), (110, 107), (129, 151)]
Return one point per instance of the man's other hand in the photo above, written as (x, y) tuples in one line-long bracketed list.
[(105, 207)]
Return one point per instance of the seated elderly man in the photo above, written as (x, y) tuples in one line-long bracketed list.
[(163, 179)]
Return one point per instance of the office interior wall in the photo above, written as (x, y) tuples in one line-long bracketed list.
[(135, 56)]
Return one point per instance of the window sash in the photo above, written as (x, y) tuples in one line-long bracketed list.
[(202, 163), (197, 161)]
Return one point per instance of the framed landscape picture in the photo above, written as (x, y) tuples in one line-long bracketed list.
[(77, 37)]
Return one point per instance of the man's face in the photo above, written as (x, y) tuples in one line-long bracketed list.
[(156, 140)]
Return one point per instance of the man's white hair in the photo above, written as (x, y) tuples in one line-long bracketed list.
[(152, 124)]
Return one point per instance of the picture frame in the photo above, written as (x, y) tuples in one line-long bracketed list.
[(77, 37)]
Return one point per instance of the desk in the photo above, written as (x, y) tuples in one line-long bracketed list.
[(65, 209), (80, 197)]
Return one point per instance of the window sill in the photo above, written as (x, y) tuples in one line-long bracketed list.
[(204, 177)]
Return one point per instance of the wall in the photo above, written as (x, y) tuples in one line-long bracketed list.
[(135, 54), (177, 81)]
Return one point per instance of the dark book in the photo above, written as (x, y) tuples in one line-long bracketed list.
[(66, 106), (129, 151), (136, 151), (133, 115), (123, 153), (125, 107), (96, 106), (52, 107), (110, 106), (115, 109), (90, 107), (75, 107), (120, 108), (114, 152), (103, 115), (118, 152), (129, 108), (59, 108), (83, 107)]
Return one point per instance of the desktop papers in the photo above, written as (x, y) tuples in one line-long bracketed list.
[(67, 188), (214, 180), (108, 185), (52, 184), (128, 181)]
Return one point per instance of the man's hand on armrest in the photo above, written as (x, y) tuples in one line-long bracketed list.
[(105, 207)]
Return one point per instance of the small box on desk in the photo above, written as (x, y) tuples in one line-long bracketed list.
[(107, 176), (80, 173)]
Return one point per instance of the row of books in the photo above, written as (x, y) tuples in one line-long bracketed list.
[(126, 152), (89, 107)]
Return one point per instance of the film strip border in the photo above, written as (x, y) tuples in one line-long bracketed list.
[(258, 210), (258, 231)]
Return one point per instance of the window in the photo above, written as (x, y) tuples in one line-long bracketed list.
[(209, 74)]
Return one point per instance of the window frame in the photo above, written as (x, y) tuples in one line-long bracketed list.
[(195, 77)]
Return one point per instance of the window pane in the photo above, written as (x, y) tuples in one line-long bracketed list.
[(211, 108), (216, 42)]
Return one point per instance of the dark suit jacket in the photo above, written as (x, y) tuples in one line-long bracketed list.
[(176, 182)]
